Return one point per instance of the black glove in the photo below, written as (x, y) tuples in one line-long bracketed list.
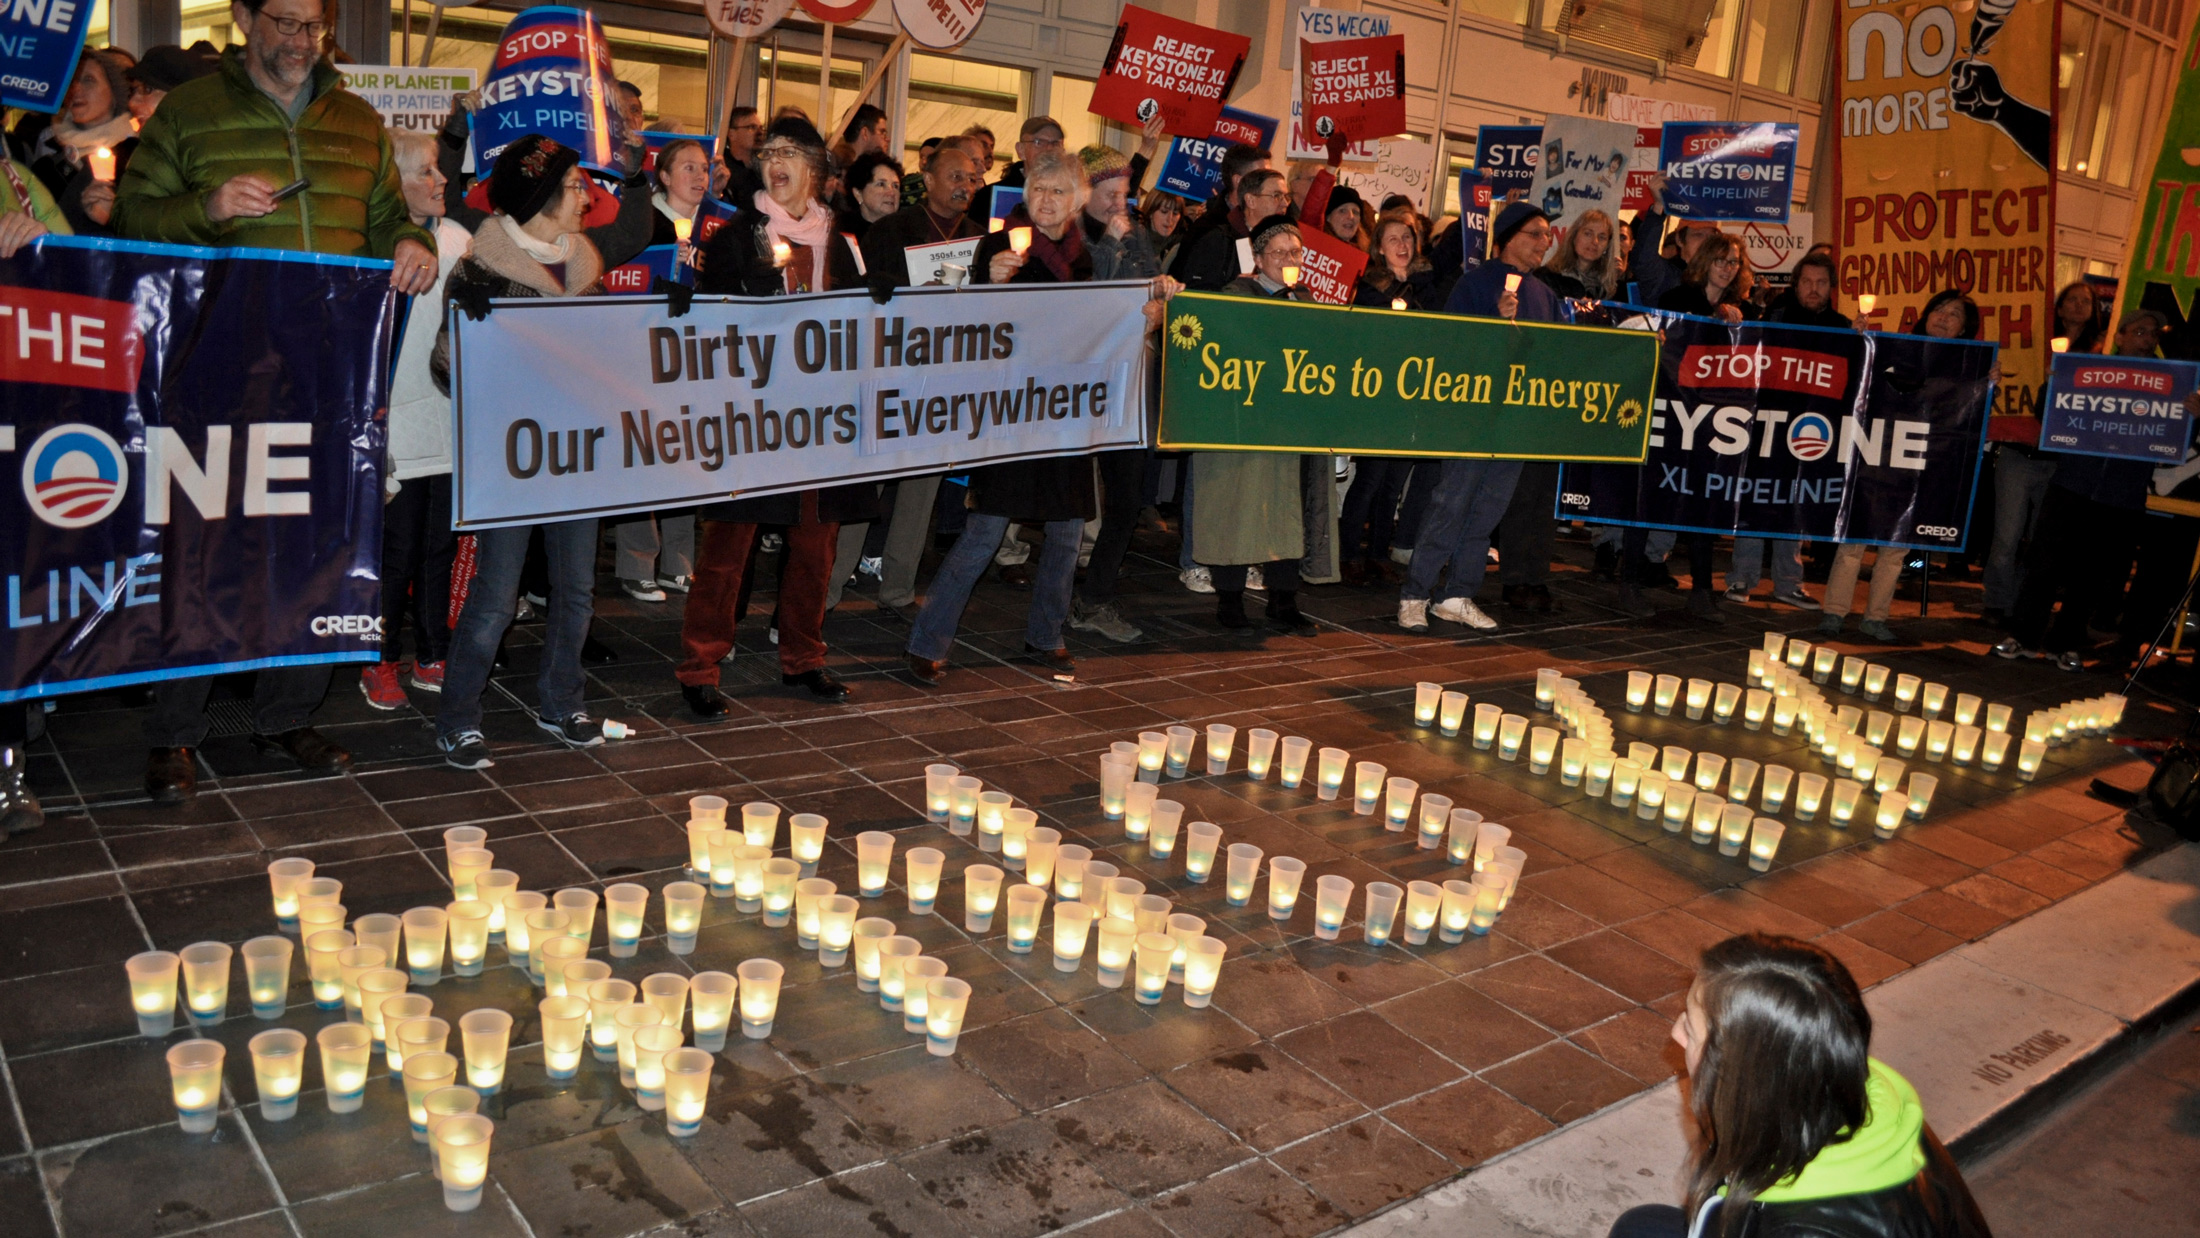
[(677, 296), (882, 289), (472, 299)]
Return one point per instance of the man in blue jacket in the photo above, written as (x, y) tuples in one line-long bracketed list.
[(1471, 495)]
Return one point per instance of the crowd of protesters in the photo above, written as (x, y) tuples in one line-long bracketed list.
[(203, 141)]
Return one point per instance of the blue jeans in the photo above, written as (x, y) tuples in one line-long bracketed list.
[(934, 631), (1749, 555), (570, 547), (1469, 498), (1368, 522)]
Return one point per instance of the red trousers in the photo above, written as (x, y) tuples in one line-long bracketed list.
[(721, 556)]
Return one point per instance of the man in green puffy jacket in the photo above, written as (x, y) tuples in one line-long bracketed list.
[(207, 171)]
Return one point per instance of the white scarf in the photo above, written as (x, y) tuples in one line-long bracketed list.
[(77, 142), (545, 252), (814, 229)]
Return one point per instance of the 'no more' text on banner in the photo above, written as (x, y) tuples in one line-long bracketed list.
[(1250, 374), (751, 397), (2132, 408), (199, 441), (1777, 431)]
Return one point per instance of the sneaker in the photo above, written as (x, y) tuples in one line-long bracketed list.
[(1830, 625), (1702, 604), (1253, 581), (1402, 555), (523, 611), (379, 684), (2012, 648), (465, 750), (676, 584), (1413, 614), (873, 566), (1105, 620), (1463, 610), (535, 600), (642, 590), (1197, 579), (428, 676), (1737, 594), (1878, 631), (576, 730), (1796, 598), (2071, 661)]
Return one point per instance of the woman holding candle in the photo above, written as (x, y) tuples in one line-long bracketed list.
[(1399, 278), (1801, 1131), (1044, 243), (92, 140), (781, 245)]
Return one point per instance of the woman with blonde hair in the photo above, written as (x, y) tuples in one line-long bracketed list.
[(1586, 264)]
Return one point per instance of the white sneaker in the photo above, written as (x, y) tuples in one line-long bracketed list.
[(1197, 579), (1401, 555), (1413, 614), (1460, 610), (1253, 579)]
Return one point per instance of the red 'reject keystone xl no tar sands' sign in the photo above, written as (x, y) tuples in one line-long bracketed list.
[(1162, 66), (1330, 272), (1354, 88)]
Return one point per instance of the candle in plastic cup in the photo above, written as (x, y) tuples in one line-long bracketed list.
[(278, 1068), (1546, 687), (1673, 762), (1424, 901), (442, 1105), (1886, 775), (1734, 822), (1179, 750), (283, 878), (519, 935), (1069, 871), (760, 823), (606, 998), (1939, 737), (711, 996), (1456, 915), (1380, 915), (318, 918), (324, 966), (921, 875), (579, 907), (1367, 787), (1996, 750), (313, 891), (710, 807), (947, 1000), (1680, 800), (267, 975), (993, 809), (748, 875), (1963, 744), (1703, 819), (1161, 838), (1921, 790), (1332, 898), (426, 938), (1755, 705), (981, 896), (1137, 811), (1777, 781), (1151, 911), (1783, 714), (1025, 903), (1822, 664), (1201, 840), (1295, 751), (666, 993), (2029, 757), (1153, 752), (780, 876), (893, 953), (1810, 792), (806, 839), (195, 1083), (1698, 698), (1650, 795), (1284, 875), (1242, 869), (937, 800), (651, 1044), (1041, 845), (1875, 679), (1626, 781), (1846, 792), (1906, 738), (1435, 815), (492, 887), (1542, 746), (1332, 771), (1512, 731), (1887, 815), (760, 980), (1638, 690), (1116, 938), (1220, 740), (963, 791), (1150, 959), (1764, 842), (874, 859), (353, 963), (1072, 925), (1741, 777), (1260, 752), (807, 892), (1425, 699), (346, 1050), (205, 982), (701, 832), (102, 163), (1967, 708), (1724, 698), (1710, 767), (462, 1159), (399, 1013), (1905, 691), (579, 975), (1489, 899), (1573, 758), (624, 905), (1666, 689), (687, 1090), (1202, 969), (1876, 725), (1598, 780), (486, 1037), (683, 915), (917, 975)]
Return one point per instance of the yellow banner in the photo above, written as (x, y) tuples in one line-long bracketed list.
[(1947, 132)]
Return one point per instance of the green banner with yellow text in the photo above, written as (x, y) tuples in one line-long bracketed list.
[(1246, 374), (2164, 271)]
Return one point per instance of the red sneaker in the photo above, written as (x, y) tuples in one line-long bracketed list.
[(379, 684), (428, 676)]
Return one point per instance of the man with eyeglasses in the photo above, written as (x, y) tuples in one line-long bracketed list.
[(1210, 257), (207, 171), (735, 178), (1039, 135)]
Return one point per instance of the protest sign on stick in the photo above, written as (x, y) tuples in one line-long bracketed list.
[(1354, 89), (1330, 272), (1160, 66)]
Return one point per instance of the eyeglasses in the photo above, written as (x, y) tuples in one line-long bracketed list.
[(1726, 262), (1293, 254), (779, 154), (290, 27)]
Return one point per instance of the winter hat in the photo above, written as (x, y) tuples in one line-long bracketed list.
[(169, 66), (1344, 195), (1510, 220), (528, 173), (1103, 163), (1268, 228)]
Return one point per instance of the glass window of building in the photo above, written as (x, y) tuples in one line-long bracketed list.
[(2071, 61), (2131, 108), (1768, 58), (947, 95), (1070, 101), (787, 77), (1716, 57), (2098, 110)]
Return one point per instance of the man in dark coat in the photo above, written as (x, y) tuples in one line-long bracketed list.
[(1208, 258)]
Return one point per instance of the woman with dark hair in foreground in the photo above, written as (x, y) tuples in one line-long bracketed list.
[(1799, 1131)]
